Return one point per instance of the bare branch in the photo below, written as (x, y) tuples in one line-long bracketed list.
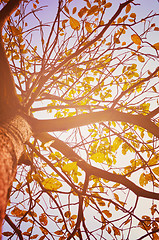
[(61, 124), (134, 86), (18, 231)]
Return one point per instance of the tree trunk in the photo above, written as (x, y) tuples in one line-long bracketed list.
[(13, 135)]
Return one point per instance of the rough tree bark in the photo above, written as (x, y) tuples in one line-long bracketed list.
[(14, 129), (13, 135)]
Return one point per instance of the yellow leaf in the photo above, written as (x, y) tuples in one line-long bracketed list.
[(88, 27), (98, 157), (153, 161), (141, 58), (108, 5), (136, 39), (92, 10), (75, 24), (107, 213), (51, 184), (69, 167), (128, 8), (143, 180), (156, 46), (156, 171)]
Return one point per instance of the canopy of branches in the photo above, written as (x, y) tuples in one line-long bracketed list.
[(87, 72)]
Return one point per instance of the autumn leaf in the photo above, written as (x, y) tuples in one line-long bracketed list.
[(108, 5), (98, 157), (64, 23), (7, 234), (69, 167), (59, 232), (52, 184), (75, 24), (144, 179), (153, 161), (17, 212), (154, 89), (82, 12), (128, 8), (133, 15), (67, 214), (74, 10), (34, 6), (156, 171), (88, 27), (107, 213), (92, 10), (66, 9), (34, 236), (116, 231), (141, 58), (136, 39), (156, 46), (43, 219), (43, 230), (14, 30)]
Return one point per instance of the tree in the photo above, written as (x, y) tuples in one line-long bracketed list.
[(82, 169)]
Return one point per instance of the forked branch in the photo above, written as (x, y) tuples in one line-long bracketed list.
[(90, 170)]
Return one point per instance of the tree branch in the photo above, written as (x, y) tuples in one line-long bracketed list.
[(76, 53), (17, 231), (90, 170), (61, 124), (7, 11), (134, 86)]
